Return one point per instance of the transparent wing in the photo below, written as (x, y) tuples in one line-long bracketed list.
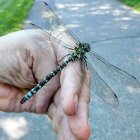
[(102, 89), (41, 36), (58, 25), (114, 72), (48, 21)]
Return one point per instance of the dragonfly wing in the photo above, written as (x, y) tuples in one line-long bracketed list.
[(102, 89), (114, 72), (58, 24), (42, 36), (49, 21)]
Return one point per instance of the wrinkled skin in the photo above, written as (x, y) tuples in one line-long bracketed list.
[(65, 98)]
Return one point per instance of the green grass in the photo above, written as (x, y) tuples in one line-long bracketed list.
[(133, 3), (12, 14)]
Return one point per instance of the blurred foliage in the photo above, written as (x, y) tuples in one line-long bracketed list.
[(13, 14), (132, 3)]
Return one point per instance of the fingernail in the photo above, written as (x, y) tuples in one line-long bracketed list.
[(76, 102)]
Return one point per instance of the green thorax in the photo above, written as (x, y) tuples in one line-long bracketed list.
[(80, 50)]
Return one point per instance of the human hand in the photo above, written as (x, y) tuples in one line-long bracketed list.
[(24, 64)]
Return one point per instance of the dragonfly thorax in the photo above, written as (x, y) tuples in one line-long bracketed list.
[(84, 47)]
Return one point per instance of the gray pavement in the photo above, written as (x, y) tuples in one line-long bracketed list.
[(99, 20)]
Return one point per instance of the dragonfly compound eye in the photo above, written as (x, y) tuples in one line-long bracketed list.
[(87, 47)]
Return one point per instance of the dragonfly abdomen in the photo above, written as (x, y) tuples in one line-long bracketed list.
[(34, 90)]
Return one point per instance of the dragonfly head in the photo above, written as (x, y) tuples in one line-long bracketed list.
[(86, 47)]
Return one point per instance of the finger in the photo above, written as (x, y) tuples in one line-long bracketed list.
[(70, 80), (60, 120), (71, 83), (79, 123)]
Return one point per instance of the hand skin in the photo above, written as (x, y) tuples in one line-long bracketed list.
[(65, 98)]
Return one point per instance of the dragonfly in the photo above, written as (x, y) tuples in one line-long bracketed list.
[(80, 50)]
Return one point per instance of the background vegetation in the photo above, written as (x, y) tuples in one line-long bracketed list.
[(13, 14), (133, 3)]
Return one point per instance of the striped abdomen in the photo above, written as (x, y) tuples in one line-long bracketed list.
[(34, 90)]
